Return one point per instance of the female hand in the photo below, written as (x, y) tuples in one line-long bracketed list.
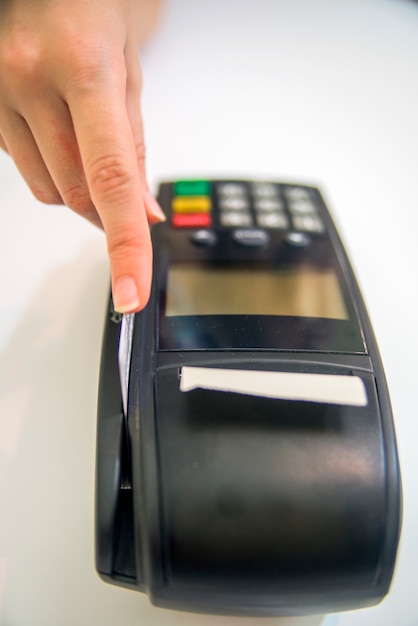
[(70, 82)]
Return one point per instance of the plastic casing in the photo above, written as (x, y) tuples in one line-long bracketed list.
[(221, 503)]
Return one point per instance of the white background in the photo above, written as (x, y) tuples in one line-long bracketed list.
[(315, 91)]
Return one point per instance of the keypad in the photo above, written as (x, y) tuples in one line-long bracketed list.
[(258, 206)]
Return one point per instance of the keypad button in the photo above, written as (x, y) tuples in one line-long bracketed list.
[(231, 189), (303, 207), (234, 203), (268, 204), (230, 219), (191, 220), (272, 220), (204, 237), (308, 223), (253, 237), (264, 190), (192, 188), (298, 240), (297, 193), (191, 204)]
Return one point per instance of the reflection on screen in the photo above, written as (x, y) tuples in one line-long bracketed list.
[(300, 291)]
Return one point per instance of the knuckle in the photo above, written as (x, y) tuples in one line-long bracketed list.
[(127, 246), (84, 77), (46, 195), (89, 64), (21, 62), (111, 178), (78, 199)]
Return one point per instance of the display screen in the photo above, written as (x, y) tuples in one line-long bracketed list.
[(217, 289)]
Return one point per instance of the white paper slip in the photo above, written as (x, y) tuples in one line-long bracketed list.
[(328, 388), (124, 356)]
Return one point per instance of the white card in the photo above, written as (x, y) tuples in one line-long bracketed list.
[(124, 356)]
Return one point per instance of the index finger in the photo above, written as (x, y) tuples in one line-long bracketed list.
[(108, 154)]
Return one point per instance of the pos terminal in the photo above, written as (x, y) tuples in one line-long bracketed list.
[(246, 454)]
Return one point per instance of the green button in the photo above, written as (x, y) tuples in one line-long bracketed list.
[(192, 188)]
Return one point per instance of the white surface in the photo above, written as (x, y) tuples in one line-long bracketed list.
[(329, 388), (316, 91)]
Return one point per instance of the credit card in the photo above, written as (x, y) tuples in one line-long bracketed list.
[(124, 356)]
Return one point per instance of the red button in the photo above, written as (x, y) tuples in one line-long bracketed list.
[(191, 220)]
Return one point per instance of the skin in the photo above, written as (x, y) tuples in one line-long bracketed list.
[(70, 118)]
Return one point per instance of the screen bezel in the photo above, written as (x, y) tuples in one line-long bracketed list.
[(258, 332), (254, 332)]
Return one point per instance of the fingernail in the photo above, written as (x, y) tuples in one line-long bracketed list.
[(153, 207), (125, 295)]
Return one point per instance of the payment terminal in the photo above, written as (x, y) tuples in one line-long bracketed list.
[(246, 454)]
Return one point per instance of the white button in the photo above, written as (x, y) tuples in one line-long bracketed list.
[(303, 207), (230, 219), (272, 220), (231, 189), (234, 203), (308, 223), (297, 193), (265, 190), (268, 204)]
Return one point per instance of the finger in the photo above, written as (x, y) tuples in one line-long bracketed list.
[(51, 126), (19, 143), (107, 150), (133, 93)]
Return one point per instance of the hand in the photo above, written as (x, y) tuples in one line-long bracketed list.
[(70, 82)]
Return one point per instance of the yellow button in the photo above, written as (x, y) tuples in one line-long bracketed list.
[(192, 204)]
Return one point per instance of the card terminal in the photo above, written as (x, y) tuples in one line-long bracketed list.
[(246, 453)]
